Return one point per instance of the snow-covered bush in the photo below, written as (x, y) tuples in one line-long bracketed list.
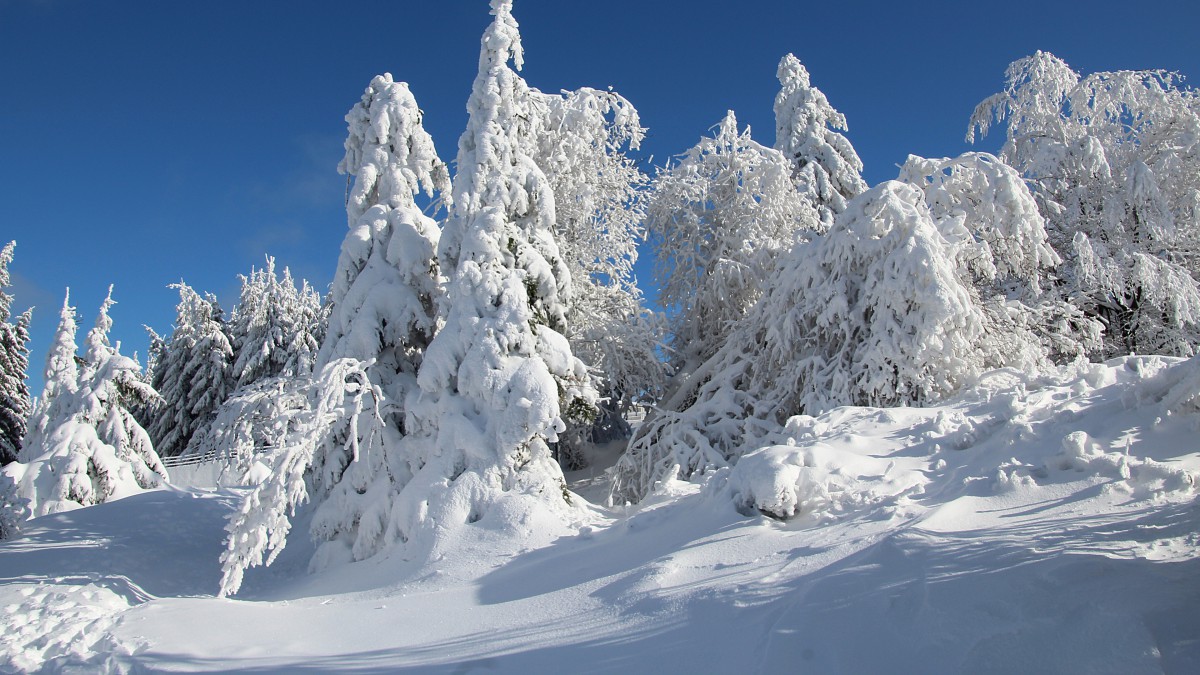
[(14, 510), (84, 446), (1114, 160), (825, 166), (15, 403), (720, 216)]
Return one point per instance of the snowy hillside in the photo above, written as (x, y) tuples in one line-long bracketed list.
[(1024, 526)]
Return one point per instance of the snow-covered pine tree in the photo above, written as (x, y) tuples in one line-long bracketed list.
[(383, 316), (191, 372), (1114, 159), (825, 166), (492, 381), (337, 435), (599, 206), (60, 380), (720, 217), (15, 403), (499, 377), (275, 333), (276, 327), (874, 312), (85, 446)]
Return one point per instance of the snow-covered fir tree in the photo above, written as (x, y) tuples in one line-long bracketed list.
[(276, 327), (60, 379), (190, 372), (382, 318), (599, 205), (825, 166), (720, 216), (84, 446), (499, 378), (493, 382), (1114, 159), (15, 402)]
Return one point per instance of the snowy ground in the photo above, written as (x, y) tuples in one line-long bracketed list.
[(1024, 527)]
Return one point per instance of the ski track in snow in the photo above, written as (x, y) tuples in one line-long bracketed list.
[(1026, 526)]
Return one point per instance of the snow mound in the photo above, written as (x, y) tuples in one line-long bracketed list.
[(1011, 433), (819, 479)]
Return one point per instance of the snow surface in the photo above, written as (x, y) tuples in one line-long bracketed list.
[(1027, 525)]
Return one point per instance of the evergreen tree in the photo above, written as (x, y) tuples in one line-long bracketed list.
[(492, 382), (825, 166), (86, 447), (15, 403), (382, 318), (191, 372), (500, 366), (60, 381), (276, 328)]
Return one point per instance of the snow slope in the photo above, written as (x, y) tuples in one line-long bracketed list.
[(1027, 526)]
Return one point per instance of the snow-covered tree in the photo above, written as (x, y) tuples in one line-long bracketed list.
[(874, 312), (85, 446), (276, 327), (191, 372), (383, 316), (599, 206), (15, 403), (499, 378), (493, 383), (720, 217), (998, 242), (383, 293), (1114, 159), (60, 380), (14, 509), (825, 166)]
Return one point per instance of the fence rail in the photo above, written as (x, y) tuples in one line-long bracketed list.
[(189, 460)]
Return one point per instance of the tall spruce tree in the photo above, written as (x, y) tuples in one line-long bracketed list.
[(500, 366), (825, 166), (15, 402), (191, 372)]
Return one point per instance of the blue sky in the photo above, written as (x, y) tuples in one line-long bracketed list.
[(146, 142)]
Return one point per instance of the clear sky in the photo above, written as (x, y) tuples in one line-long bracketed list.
[(144, 142)]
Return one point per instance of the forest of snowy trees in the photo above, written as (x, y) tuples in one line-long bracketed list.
[(484, 327)]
